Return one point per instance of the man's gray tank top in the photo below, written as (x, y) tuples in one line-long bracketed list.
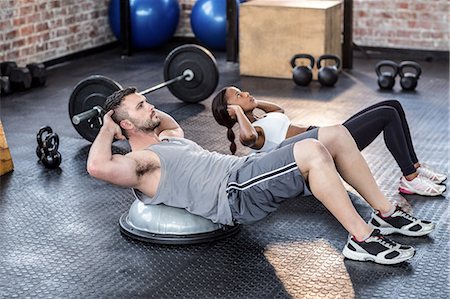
[(193, 178)]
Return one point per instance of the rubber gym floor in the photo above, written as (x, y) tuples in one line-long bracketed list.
[(59, 232)]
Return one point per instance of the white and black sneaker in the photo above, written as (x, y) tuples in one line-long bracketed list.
[(402, 223), (377, 248)]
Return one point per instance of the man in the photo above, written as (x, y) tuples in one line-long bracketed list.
[(227, 189)]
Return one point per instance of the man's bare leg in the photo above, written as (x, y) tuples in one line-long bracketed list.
[(352, 166), (317, 166)]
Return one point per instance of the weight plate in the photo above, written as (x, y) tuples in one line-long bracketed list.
[(88, 93), (203, 65)]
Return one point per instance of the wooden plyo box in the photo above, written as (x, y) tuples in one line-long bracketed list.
[(6, 163), (272, 31)]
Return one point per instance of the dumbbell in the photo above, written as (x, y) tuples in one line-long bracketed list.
[(19, 77), (38, 74), (23, 78), (5, 85)]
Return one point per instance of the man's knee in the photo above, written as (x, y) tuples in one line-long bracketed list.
[(311, 152)]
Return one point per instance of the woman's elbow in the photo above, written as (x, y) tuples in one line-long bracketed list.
[(248, 140)]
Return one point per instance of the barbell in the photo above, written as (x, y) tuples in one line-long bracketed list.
[(190, 73)]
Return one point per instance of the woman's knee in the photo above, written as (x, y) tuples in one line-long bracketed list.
[(394, 104)]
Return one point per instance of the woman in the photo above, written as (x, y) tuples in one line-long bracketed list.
[(264, 133)]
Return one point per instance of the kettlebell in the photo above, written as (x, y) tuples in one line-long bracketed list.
[(386, 80), (302, 74), (328, 75), (50, 157), (408, 81), (40, 139)]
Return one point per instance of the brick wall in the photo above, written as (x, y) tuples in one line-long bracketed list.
[(41, 30), (404, 24)]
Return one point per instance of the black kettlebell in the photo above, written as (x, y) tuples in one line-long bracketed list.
[(302, 74), (40, 139), (386, 80), (328, 75), (51, 158), (408, 81)]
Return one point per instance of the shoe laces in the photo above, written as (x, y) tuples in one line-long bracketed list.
[(386, 242), (422, 181), (426, 172), (405, 215)]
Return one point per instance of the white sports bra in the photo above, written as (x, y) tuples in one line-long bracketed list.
[(275, 126)]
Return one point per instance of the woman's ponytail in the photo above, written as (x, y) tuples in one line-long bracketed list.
[(220, 113)]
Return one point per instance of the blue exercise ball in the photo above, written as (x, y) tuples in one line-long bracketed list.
[(153, 22), (209, 22)]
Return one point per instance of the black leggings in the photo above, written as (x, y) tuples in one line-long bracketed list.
[(387, 117)]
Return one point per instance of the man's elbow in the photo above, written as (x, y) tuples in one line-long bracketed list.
[(94, 169)]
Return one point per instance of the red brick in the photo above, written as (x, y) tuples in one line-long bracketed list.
[(11, 34), (70, 20), (18, 21), (26, 10), (56, 4), (74, 29), (41, 27), (86, 6), (4, 25), (402, 5), (36, 17), (432, 35), (41, 47), (26, 51), (13, 55), (421, 6), (54, 44), (18, 43), (31, 39), (5, 47), (61, 32)]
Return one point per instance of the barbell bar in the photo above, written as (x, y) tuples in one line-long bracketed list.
[(190, 73)]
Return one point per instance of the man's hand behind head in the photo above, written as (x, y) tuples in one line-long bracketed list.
[(110, 125)]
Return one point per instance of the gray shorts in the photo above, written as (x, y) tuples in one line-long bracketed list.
[(265, 180)]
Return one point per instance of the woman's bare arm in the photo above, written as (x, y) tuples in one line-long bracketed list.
[(269, 107), (168, 126), (248, 135)]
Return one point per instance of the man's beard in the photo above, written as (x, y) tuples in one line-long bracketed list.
[(148, 126)]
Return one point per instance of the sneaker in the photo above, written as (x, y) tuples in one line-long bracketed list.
[(402, 223), (434, 176), (420, 185), (377, 248)]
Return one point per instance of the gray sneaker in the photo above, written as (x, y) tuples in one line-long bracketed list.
[(377, 248), (402, 223)]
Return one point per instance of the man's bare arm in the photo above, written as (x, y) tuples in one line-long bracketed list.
[(168, 126), (102, 164)]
